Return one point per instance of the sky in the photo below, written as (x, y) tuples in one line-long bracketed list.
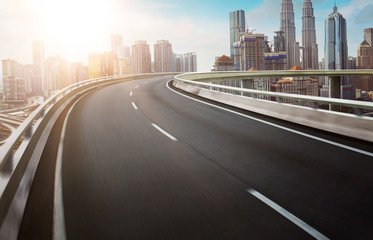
[(74, 29)]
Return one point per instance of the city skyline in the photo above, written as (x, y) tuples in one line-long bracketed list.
[(176, 21)]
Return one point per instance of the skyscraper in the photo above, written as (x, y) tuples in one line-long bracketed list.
[(249, 51), (116, 41), (140, 58), (310, 52), (364, 60), (38, 61), (163, 56), (288, 27), (336, 56), (237, 25), (368, 36), (279, 42)]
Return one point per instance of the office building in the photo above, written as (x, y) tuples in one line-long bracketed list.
[(14, 90), (368, 36), (310, 48), (190, 62), (237, 25), (163, 56), (275, 61), (11, 70), (249, 52), (288, 27), (364, 60), (124, 65), (116, 41), (279, 42), (79, 72), (96, 66), (123, 51), (336, 54), (38, 62), (57, 74), (140, 58), (27, 72)]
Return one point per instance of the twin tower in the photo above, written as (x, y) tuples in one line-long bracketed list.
[(310, 48)]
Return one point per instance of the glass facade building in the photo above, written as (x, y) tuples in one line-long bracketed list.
[(336, 54), (237, 25)]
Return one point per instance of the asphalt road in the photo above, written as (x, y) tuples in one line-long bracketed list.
[(123, 178)]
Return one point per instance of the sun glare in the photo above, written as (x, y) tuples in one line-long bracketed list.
[(72, 22)]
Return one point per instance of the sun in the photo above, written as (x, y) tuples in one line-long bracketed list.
[(72, 21)]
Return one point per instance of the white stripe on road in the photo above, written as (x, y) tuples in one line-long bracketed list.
[(131, 94), (134, 106), (164, 132), (370, 154), (310, 230), (59, 229), (137, 86)]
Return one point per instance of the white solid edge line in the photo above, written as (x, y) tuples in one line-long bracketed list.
[(59, 228), (281, 127), (131, 93), (164, 132), (310, 230), (134, 106)]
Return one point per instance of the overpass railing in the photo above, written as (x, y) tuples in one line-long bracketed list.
[(20, 154), (352, 125)]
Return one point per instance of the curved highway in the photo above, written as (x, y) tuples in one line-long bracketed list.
[(141, 161)]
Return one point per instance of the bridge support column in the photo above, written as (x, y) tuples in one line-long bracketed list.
[(248, 84), (335, 91)]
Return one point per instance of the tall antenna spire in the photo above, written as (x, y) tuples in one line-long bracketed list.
[(335, 6)]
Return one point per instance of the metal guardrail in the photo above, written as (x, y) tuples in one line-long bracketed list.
[(15, 182), (201, 79)]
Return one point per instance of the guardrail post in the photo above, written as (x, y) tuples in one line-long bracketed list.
[(334, 91), (248, 84)]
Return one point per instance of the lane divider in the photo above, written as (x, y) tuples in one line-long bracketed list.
[(134, 106), (164, 132), (137, 86), (307, 228), (131, 93)]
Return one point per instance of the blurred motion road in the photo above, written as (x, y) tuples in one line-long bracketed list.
[(143, 162)]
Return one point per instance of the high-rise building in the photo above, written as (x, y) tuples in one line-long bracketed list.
[(96, 66), (116, 41), (275, 61), (237, 25), (249, 52), (79, 72), (123, 51), (124, 65), (163, 56), (336, 41), (190, 62), (364, 60), (38, 62), (140, 58), (11, 70), (368, 36), (27, 75), (279, 42), (57, 74), (14, 90), (336, 53), (288, 27), (310, 48)]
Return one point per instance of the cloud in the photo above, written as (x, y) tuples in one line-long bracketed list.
[(365, 15)]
